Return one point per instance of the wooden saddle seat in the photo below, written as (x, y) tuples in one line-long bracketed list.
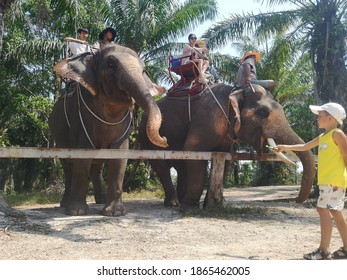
[(189, 83), (186, 71)]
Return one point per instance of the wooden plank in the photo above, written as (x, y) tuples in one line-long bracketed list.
[(27, 152), (215, 191), (34, 152)]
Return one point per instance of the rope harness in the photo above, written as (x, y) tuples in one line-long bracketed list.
[(80, 97), (215, 98)]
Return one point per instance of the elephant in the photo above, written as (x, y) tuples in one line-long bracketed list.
[(213, 121), (98, 115)]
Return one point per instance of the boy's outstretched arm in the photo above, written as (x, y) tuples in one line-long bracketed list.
[(299, 147)]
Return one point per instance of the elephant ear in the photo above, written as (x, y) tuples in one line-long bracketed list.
[(260, 91), (235, 98), (79, 69)]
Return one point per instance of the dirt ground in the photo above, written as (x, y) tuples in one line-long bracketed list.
[(271, 226)]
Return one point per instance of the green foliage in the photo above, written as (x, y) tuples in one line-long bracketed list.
[(246, 175), (273, 173), (239, 174), (138, 177), (3, 137)]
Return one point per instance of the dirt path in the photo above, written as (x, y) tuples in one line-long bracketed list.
[(271, 226)]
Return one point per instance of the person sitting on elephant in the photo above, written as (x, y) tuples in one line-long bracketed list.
[(247, 73), (210, 69), (105, 37), (78, 46), (193, 54)]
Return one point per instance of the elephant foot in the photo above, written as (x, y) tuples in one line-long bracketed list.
[(115, 208), (171, 202), (64, 201), (76, 209), (100, 199), (189, 206)]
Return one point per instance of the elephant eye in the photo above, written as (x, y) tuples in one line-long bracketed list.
[(111, 62), (262, 112)]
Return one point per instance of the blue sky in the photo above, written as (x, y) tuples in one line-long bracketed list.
[(228, 7)]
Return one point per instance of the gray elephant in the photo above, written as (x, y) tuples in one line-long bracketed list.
[(98, 115), (213, 121)]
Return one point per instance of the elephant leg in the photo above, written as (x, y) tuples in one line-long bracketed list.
[(76, 203), (67, 168), (96, 176), (181, 180), (114, 204), (162, 169), (196, 170)]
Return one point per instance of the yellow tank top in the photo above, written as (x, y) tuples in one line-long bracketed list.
[(331, 166)]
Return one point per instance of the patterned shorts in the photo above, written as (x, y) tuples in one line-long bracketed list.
[(331, 197)]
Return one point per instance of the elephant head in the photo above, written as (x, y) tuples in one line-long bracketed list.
[(115, 75), (258, 117)]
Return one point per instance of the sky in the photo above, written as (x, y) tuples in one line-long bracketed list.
[(228, 7)]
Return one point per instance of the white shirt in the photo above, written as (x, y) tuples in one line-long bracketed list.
[(77, 48)]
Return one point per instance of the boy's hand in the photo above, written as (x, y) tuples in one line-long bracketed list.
[(273, 149), (281, 148)]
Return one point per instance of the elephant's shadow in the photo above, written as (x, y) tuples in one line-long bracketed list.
[(149, 216), (50, 220)]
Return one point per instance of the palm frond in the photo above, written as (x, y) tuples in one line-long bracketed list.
[(262, 25), (34, 49)]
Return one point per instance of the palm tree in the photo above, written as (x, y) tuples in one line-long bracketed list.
[(314, 26), (4, 7)]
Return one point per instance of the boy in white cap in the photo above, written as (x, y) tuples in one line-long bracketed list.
[(332, 177)]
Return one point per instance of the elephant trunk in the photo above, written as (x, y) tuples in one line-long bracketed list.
[(280, 130), (308, 163), (131, 79), (150, 107), (309, 173)]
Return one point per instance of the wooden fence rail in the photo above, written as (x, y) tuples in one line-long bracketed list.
[(215, 194), (34, 152)]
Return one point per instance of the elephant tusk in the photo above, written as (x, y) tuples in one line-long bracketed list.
[(272, 147)]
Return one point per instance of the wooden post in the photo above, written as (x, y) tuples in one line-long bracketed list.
[(215, 191)]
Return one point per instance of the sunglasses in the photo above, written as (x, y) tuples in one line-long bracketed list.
[(193, 38)]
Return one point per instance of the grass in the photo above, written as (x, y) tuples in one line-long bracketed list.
[(32, 198), (144, 194), (52, 197)]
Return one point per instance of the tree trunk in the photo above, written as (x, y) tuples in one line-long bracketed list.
[(4, 5), (5, 171), (328, 53), (1, 28)]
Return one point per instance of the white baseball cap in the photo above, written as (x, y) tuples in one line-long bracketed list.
[(334, 109)]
